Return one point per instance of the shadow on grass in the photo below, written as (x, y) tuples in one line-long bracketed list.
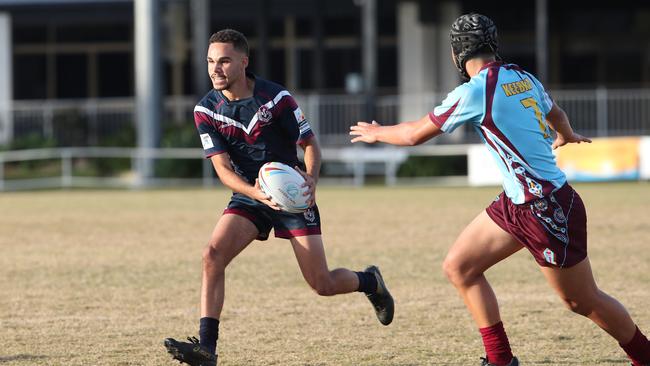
[(21, 357)]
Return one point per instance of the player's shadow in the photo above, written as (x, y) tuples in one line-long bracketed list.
[(21, 357)]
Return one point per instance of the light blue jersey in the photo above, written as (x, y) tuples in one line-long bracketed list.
[(508, 106)]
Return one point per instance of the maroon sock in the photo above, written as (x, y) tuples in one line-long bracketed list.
[(638, 349), (497, 347)]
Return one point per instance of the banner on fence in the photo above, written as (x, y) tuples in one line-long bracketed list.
[(602, 160)]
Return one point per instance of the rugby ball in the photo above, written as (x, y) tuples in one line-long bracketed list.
[(284, 185)]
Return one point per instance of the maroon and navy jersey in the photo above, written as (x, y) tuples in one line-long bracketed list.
[(265, 127)]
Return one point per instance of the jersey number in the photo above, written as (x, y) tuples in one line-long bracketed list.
[(530, 102)]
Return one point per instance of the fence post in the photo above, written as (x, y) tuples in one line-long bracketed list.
[(92, 114), (208, 180), (48, 124), (391, 172), (313, 105), (601, 111), (66, 168), (2, 174), (135, 162), (359, 172)]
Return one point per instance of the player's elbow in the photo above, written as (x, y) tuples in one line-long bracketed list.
[(411, 139)]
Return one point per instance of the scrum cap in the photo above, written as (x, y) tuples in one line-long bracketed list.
[(472, 34)]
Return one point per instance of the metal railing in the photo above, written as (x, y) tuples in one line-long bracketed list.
[(64, 159), (596, 113), (87, 123)]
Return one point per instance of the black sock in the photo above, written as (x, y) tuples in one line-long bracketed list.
[(209, 333), (367, 282)]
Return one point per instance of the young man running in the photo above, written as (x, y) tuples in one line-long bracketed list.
[(244, 122)]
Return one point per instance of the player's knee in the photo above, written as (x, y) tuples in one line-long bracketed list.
[(212, 259), (455, 271), (579, 306)]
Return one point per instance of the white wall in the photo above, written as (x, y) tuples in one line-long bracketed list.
[(481, 168)]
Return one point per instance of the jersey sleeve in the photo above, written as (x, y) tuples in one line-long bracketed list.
[(212, 141), (460, 106), (546, 102), (293, 120)]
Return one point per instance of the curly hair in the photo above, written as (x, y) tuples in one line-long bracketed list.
[(238, 40)]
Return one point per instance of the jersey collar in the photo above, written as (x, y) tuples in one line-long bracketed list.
[(249, 75), (496, 63)]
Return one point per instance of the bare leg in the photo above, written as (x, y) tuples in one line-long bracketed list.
[(578, 290), (230, 236), (481, 245), (313, 265)]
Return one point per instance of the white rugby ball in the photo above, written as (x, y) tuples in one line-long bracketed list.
[(284, 185)]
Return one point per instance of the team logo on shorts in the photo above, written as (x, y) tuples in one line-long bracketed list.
[(310, 215), (263, 114), (549, 256), (558, 215), (541, 205)]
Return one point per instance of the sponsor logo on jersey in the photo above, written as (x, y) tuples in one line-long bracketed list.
[(549, 256), (206, 141), (299, 115)]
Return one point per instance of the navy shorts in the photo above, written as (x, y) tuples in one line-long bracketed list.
[(552, 228), (286, 225)]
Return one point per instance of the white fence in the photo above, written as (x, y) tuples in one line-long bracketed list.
[(86, 123), (596, 113), (356, 161)]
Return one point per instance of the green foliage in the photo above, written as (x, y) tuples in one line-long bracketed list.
[(183, 135), (31, 168), (30, 141), (433, 166), (125, 137)]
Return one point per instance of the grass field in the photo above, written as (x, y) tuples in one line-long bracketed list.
[(102, 277)]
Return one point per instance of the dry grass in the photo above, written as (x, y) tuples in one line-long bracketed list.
[(101, 277)]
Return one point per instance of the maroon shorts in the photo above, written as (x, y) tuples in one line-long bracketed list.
[(553, 228)]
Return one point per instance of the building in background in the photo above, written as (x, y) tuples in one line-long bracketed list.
[(84, 48), (68, 71)]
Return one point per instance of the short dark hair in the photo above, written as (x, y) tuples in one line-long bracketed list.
[(237, 39)]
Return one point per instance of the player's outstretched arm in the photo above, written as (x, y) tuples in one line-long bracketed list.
[(404, 134), (559, 121), (232, 180)]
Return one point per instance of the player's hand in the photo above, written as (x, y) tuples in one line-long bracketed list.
[(259, 195), (365, 132), (310, 183), (574, 138)]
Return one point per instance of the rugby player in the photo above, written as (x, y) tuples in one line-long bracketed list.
[(244, 122), (538, 209)]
